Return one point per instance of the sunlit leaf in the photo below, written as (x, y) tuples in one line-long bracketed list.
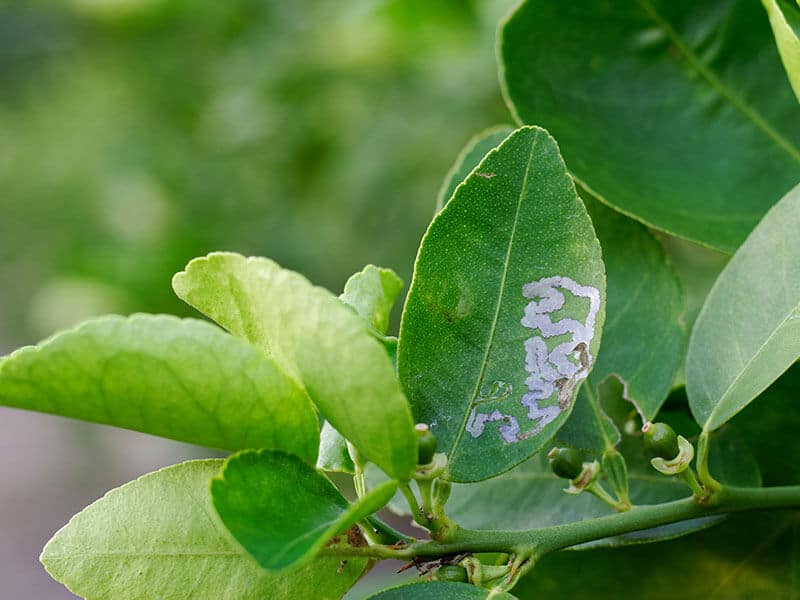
[(182, 379), (785, 20), (318, 341), (158, 537)]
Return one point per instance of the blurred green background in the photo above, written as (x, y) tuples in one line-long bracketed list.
[(137, 134)]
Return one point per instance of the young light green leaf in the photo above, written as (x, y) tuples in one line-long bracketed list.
[(469, 158), (182, 379), (676, 113), (158, 537), (372, 292), (283, 511), (720, 564), (748, 331), (440, 590), (317, 340), (785, 20), (333, 454), (505, 311)]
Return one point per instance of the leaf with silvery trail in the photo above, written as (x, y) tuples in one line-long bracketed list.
[(503, 318), (644, 303), (748, 331), (675, 112)]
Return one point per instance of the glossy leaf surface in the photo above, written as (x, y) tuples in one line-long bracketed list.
[(318, 341), (503, 319), (182, 379), (469, 158), (748, 331), (784, 16), (281, 510), (675, 112), (158, 537)]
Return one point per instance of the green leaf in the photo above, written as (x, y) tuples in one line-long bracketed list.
[(158, 537), (283, 511), (440, 590), (532, 496), (643, 341), (333, 453), (785, 21), (672, 111), (372, 293), (182, 379), (513, 247), (748, 331), (469, 158), (317, 340), (645, 303), (771, 425), (722, 563)]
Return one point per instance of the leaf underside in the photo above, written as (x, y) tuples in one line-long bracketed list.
[(158, 537), (748, 331)]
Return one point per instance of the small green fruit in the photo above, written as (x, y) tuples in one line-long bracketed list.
[(566, 462), (454, 573), (426, 442), (660, 440)]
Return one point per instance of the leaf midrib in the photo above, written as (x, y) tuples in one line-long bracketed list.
[(748, 111), (499, 303), (746, 366)]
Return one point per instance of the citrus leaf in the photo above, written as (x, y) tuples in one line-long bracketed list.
[(644, 303), (675, 112), (372, 292), (440, 590), (178, 378), (748, 331), (469, 158), (785, 21), (158, 537), (333, 453), (480, 358), (770, 426), (317, 340), (281, 510), (719, 563)]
